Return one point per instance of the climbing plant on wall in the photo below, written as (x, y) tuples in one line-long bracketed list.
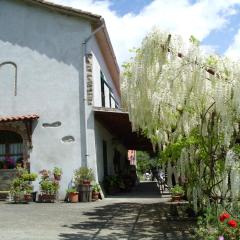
[(188, 104)]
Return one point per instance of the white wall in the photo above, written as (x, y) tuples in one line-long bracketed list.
[(99, 65), (96, 133), (47, 48), (102, 134)]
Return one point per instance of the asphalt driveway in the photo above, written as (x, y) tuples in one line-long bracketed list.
[(142, 214)]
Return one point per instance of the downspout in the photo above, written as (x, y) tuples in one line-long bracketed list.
[(91, 35), (84, 45)]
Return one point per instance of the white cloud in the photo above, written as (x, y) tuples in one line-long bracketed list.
[(209, 49), (233, 50), (177, 16)]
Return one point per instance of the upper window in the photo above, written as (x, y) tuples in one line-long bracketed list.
[(11, 149), (108, 99)]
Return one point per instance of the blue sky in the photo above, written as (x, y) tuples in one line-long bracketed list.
[(216, 23), (219, 39), (123, 7), (222, 38)]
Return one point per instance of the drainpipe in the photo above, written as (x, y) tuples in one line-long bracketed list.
[(84, 45), (91, 35)]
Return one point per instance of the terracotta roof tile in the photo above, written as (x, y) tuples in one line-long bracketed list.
[(18, 118)]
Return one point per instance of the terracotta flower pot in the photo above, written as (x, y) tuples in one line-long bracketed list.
[(86, 182), (22, 198), (47, 198), (176, 198), (73, 197), (57, 177), (95, 196), (17, 198), (27, 197)]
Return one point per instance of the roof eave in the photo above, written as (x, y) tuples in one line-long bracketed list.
[(94, 18), (110, 59)]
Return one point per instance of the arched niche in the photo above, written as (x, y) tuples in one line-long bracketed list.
[(13, 69)]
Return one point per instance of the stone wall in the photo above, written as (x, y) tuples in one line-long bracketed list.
[(89, 73)]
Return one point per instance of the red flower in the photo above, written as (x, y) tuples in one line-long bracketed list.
[(224, 216), (232, 223)]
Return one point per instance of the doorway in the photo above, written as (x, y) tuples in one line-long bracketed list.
[(105, 159)]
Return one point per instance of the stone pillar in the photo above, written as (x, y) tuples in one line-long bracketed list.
[(89, 75)]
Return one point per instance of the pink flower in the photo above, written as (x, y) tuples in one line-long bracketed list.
[(221, 238)]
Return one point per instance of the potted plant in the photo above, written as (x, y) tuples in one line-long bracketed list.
[(83, 177), (72, 195), (21, 187), (17, 195), (29, 176), (57, 172), (45, 174), (49, 187), (177, 192), (28, 194), (95, 191)]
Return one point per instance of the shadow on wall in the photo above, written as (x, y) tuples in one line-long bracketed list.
[(132, 221), (51, 34)]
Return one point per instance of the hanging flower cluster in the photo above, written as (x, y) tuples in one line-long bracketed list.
[(174, 92), (169, 86)]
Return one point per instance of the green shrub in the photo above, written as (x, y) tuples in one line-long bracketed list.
[(57, 171), (72, 190), (83, 173), (177, 190), (22, 183), (96, 187), (111, 181), (49, 186), (29, 176)]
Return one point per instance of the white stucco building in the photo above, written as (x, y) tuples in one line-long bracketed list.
[(59, 91)]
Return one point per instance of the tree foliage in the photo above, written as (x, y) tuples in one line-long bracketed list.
[(188, 104), (145, 162)]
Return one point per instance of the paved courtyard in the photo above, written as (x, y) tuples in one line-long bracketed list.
[(142, 214)]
